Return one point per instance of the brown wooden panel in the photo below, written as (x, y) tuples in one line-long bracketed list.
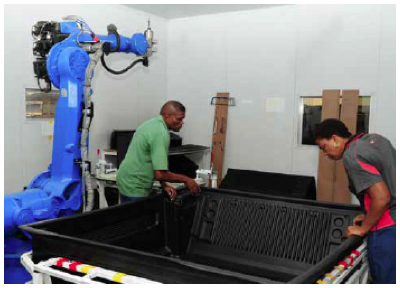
[(348, 115), (326, 167), (348, 112), (219, 133)]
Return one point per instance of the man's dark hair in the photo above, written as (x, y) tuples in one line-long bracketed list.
[(172, 106), (330, 127)]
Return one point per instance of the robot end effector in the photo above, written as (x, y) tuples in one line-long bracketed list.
[(76, 32)]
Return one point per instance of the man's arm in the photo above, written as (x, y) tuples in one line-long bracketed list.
[(171, 191), (165, 175), (168, 176), (380, 198)]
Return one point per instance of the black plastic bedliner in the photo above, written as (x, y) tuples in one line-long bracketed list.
[(219, 237), (276, 184)]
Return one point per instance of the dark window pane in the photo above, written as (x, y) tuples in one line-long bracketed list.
[(311, 118), (363, 119)]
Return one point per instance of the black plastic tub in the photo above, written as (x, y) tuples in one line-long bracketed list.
[(220, 236)]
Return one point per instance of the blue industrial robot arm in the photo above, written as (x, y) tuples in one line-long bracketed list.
[(62, 50)]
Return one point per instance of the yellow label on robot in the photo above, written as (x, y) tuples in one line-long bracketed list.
[(340, 268), (85, 269), (117, 277), (330, 275)]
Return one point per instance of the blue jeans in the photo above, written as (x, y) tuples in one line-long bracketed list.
[(382, 255), (125, 199)]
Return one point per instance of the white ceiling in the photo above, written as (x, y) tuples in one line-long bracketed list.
[(173, 11)]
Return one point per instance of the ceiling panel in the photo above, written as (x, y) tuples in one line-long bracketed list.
[(173, 11)]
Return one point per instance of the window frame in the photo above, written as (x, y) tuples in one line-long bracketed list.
[(299, 138)]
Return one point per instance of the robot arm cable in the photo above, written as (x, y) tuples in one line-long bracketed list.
[(85, 131), (144, 60)]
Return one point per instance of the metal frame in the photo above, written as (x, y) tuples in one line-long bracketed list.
[(42, 271), (231, 101), (357, 260)]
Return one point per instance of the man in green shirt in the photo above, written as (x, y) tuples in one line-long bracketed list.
[(147, 157)]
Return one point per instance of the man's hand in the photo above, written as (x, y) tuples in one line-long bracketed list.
[(171, 191), (193, 186), (358, 218), (355, 230)]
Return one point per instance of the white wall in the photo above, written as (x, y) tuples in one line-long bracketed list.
[(121, 102), (386, 102), (282, 52)]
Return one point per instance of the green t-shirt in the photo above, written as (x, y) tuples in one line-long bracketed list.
[(147, 152)]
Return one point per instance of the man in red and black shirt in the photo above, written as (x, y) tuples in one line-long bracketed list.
[(370, 163)]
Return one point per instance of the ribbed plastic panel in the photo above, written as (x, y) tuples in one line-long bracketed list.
[(274, 230), (256, 231)]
